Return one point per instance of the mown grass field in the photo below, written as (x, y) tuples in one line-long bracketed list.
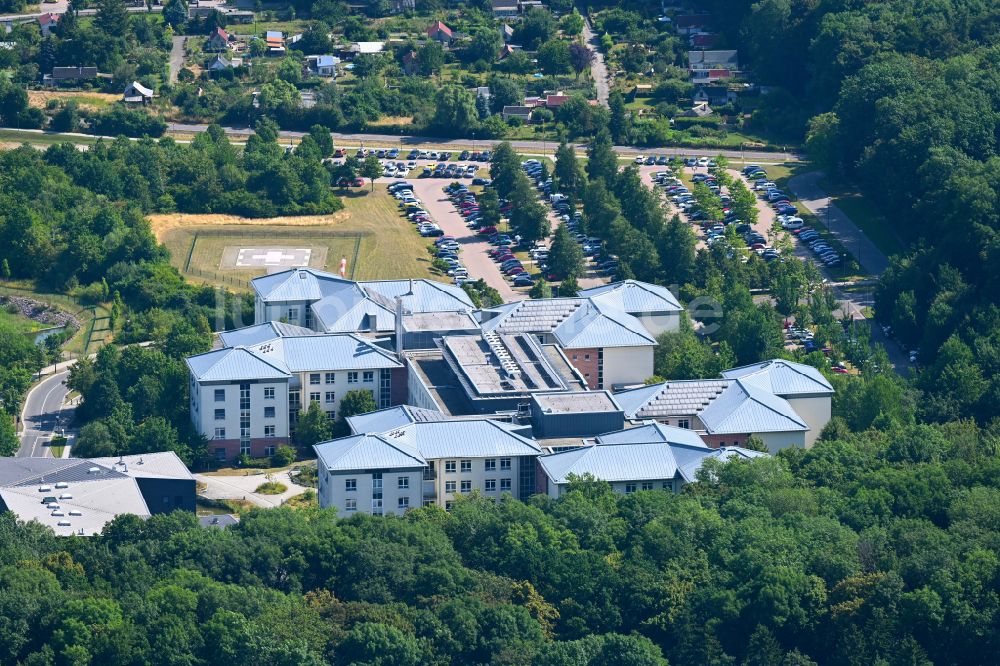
[(17, 322), (389, 245)]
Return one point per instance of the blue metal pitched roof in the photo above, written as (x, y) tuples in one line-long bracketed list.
[(334, 352), (633, 296), (255, 335), (391, 418), (299, 284), (233, 364), (747, 409), (652, 432), (421, 295), (472, 438), (782, 378), (594, 325), (361, 452)]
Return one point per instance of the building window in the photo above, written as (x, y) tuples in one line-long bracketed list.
[(269, 450), (504, 463), (429, 502), (384, 388), (352, 378), (466, 486), (220, 395), (220, 433), (293, 314), (220, 454), (368, 377), (331, 397), (586, 357), (447, 506), (466, 466), (629, 488), (268, 393), (403, 503), (647, 485), (350, 485), (491, 485), (330, 378), (351, 505), (505, 485), (377, 484), (449, 466), (314, 397), (403, 482), (331, 415), (220, 415), (244, 448), (667, 485), (377, 507), (314, 378), (574, 357), (269, 431), (269, 412), (449, 486), (491, 464), (684, 423)]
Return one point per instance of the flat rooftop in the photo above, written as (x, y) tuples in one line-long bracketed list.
[(439, 321), (576, 402), (494, 365)]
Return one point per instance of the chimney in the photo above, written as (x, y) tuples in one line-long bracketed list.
[(410, 292), (399, 324)]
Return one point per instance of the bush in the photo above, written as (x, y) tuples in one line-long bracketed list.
[(285, 455), (271, 488)]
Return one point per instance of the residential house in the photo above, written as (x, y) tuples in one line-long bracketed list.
[(400, 6), (698, 110), (322, 65), (484, 92), (411, 64), (805, 388), (69, 75), (606, 345), (424, 463), (710, 66), (247, 395), (554, 101), (360, 48), (523, 113), (727, 411), (714, 95), (650, 457), (136, 93), (507, 32), (505, 8), (46, 22), (275, 42), (79, 496), (218, 40), (329, 303), (441, 33), (508, 50), (703, 40), (239, 16), (220, 63), (689, 24), (642, 90)]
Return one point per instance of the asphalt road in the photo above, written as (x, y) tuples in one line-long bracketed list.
[(43, 415), (176, 56), (598, 70)]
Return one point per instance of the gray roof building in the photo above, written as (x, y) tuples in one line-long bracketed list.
[(782, 378), (391, 418), (571, 322), (635, 298)]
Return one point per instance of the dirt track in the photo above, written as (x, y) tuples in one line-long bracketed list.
[(165, 222)]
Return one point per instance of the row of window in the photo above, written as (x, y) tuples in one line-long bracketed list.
[(402, 503), (220, 394), (489, 465), (269, 431), (220, 414), (402, 483), (368, 377), (490, 486), (646, 485)]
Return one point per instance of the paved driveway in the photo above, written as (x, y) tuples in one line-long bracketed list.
[(176, 57), (598, 69), (243, 487)]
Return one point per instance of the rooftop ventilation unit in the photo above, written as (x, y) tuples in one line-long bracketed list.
[(57, 514), (94, 470), (64, 523), (65, 496), (44, 489), (75, 513), (62, 484)]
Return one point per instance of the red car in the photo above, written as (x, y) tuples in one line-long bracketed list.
[(358, 182), (516, 270), (486, 231)]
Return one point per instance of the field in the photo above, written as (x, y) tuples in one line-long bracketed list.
[(376, 240), (18, 323), (93, 101)]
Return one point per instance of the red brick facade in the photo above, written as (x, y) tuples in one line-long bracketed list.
[(586, 361), (232, 447), (715, 441)]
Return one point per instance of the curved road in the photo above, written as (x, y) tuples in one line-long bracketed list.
[(44, 415)]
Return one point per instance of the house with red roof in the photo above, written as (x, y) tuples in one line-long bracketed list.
[(46, 22), (218, 40), (439, 32)]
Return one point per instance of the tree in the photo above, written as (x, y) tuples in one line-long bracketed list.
[(565, 255), (9, 443), (678, 251), (618, 124), (371, 169), (540, 289), (554, 57), (430, 58), (536, 27), (580, 58), (359, 401), (313, 426), (504, 169), (568, 175), (323, 139), (602, 161), (489, 208), (484, 45), (572, 24), (568, 287), (527, 214), (455, 112), (504, 91), (112, 17)]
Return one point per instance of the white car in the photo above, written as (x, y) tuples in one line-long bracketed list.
[(703, 162), (639, 159), (793, 223)]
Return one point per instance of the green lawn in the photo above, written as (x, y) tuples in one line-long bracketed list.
[(864, 215), (45, 139), (19, 323), (92, 334)]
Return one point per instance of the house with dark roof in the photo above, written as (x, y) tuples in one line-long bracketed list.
[(522, 113), (711, 66), (79, 496), (218, 40), (714, 95), (69, 75), (505, 8)]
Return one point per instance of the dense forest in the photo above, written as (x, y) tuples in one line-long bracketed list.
[(907, 96), (875, 548)]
